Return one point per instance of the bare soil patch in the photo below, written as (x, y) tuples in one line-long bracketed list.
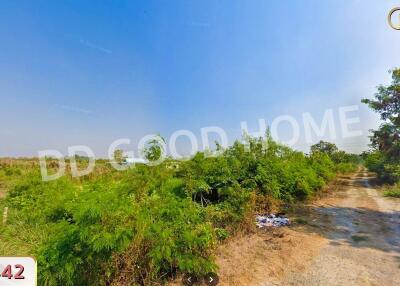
[(266, 255)]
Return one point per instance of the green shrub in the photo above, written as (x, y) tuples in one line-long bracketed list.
[(346, 168), (221, 233), (148, 223), (169, 231), (393, 191), (388, 170)]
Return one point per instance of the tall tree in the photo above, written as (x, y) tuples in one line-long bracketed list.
[(387, 104)]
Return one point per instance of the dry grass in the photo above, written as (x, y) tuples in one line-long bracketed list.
[(266, 256)]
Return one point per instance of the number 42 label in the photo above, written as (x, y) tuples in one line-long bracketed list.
[(17, 271)]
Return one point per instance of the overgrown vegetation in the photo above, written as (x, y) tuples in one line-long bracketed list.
[(393, 191), (148, 223), (384, 158)]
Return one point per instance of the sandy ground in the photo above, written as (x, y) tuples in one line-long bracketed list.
[(3, 192), (350, 237)]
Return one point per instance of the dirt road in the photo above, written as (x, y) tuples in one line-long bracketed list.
[(351, 237)]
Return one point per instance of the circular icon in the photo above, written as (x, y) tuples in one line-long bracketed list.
[(211, 279), (394, 25), (189, 280)]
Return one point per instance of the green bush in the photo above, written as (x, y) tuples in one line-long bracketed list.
[(149, 223), (388, 170), (393, 191), (346, 168)]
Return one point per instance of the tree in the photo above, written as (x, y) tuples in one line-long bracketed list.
[(154, 150), (387, 104), (118, 156), (324, 147), (386, 140)]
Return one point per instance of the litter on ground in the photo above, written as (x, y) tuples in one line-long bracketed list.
[(272, 220)]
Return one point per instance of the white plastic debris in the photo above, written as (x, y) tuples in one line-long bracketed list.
[(271, 220)]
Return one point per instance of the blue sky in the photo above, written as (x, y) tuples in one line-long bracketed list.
[(90, 72)]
